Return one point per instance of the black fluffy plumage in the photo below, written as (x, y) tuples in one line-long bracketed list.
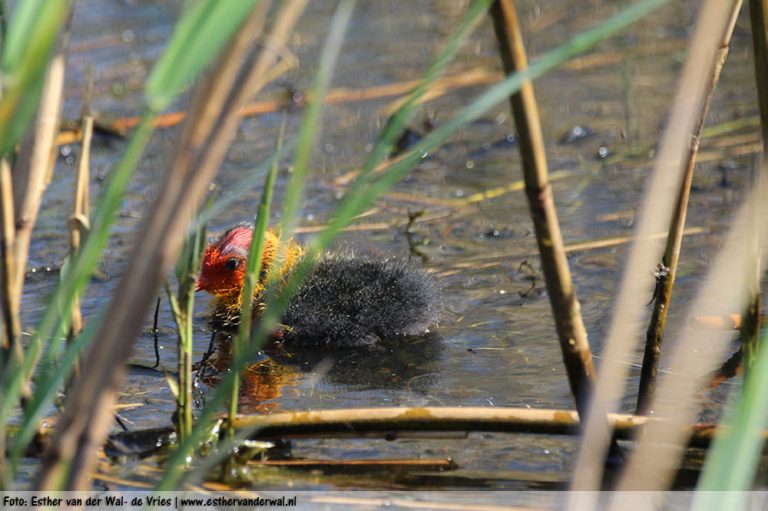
[(356, 300)]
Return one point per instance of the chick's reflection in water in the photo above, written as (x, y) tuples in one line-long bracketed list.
[(277, 373)]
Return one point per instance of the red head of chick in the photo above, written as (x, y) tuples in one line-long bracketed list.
[(224, 261), (346, 300)]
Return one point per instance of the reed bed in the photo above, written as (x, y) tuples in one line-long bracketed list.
[(227, 51)]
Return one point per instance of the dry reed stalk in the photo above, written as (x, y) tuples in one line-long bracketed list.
[(637, 282), (386, 422), (572, 248), (28, 180), (79, 222), (11, 349), (33, 170), (11, 353), (665, 279), (211, 126), (438, 464), (565, 306), (469, 78)]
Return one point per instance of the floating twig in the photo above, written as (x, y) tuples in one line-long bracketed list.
[(391, 423)]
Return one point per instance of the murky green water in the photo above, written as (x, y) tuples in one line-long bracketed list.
[(497, 344)]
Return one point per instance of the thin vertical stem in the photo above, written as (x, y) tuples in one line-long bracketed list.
[(565, 306), (11, 349), (254, 269), (758, 15), (183, 309), (667, 270), (79, 222), (34, 167), (9, 318)]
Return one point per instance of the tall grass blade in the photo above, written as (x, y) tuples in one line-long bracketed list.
[(182, 305), (310, 126), (27, 48), (733, 458)]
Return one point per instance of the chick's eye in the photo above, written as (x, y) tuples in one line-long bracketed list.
[(231, 264)]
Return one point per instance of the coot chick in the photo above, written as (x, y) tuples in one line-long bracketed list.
[(346, 301)]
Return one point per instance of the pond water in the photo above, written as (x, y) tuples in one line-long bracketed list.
[(602, 115)]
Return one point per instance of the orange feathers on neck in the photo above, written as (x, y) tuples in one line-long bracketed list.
[(224, 262)]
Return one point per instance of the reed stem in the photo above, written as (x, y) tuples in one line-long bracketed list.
[(667, 269), (565, 306), (79, 222), (9, 303)]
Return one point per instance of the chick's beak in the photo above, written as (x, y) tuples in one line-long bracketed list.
[(202, 283)]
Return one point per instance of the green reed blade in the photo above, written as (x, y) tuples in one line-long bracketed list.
[(732, 461), (197, 38), (45, 392), (253, 271), (397, 123), (28, 45)]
